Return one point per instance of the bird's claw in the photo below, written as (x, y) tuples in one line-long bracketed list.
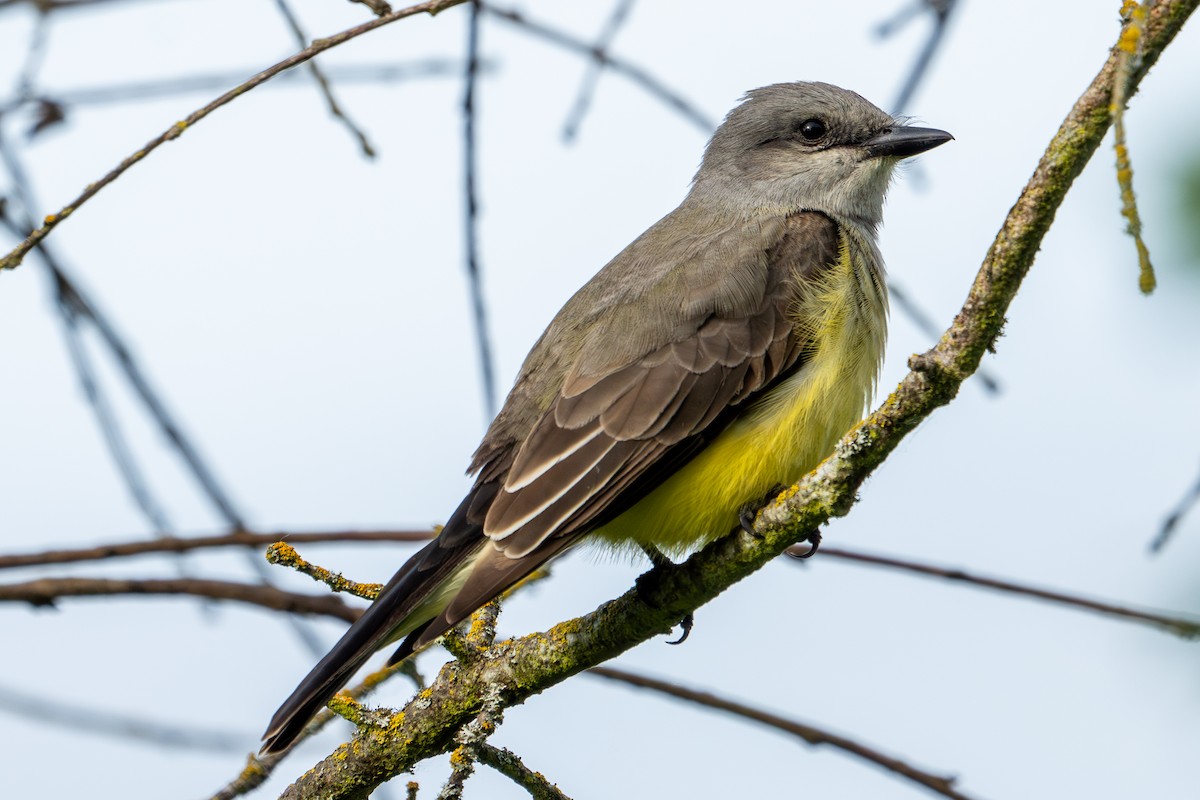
[(749, 512), (814, 544), (685, 628)]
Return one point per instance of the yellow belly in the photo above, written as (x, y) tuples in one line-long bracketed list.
[(784, 434)]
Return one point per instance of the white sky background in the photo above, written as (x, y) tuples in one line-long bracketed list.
[(305, 313)]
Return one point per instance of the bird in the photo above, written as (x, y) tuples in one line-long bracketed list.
[(722, 353)]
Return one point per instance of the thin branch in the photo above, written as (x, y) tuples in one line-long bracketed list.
[(510, 765), (591, 78), (56, 5), (17, 254), (367, 73), (70, 316), (1176, 624), (84, 307), (74, 307), (107, 724), (47, 591), (941, 10), (943, 785), (322, 82), (531, 664), (471, 217), (640, 77), (182, 545), (110, 427), (1186, 504), (34, 54)]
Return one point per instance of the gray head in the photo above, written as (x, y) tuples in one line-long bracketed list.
[(807, 145)]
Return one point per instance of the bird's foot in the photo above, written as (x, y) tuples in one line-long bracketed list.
[(659, 560), (748, 512)]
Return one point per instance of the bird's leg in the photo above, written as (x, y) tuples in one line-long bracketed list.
[(749, 511), (659, 560)]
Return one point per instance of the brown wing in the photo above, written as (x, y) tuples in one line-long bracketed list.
[(643, 395), (609, 439)]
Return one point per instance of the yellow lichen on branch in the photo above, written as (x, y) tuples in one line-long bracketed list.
[(1129, 46), (284, 555)]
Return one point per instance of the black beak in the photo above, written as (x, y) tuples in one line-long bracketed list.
[(903, 142)]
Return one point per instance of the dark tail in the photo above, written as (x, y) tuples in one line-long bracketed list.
[(437, 588), (401, 608)]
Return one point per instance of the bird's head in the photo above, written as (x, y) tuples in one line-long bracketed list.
[(814, 146)]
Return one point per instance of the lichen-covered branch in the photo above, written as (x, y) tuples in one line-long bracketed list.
[(284, 555), (529, 665), (509, 765)]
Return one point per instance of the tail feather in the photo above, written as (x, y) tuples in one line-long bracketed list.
[(414, 596), (440, 586)]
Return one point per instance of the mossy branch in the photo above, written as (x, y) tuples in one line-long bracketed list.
[(529, 665)]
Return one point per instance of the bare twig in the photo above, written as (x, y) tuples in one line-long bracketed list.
[(17, 254), (106, 418), (941, 10), (182, 545), (943, 785), (640, 77), (47, 591), (108, 724), (56, 5), (383, 72), (1186, 503), (34, 54), (1176, 624), (471, 217), (75, 307), (511, 766), (322, 82), (71, 314), (591, 78)]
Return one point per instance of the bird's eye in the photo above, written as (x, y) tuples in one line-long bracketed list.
[(812, 129)]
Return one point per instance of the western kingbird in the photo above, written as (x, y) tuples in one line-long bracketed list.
[(721, 354)]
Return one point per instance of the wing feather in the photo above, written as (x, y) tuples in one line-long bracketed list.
[(659, 409)]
